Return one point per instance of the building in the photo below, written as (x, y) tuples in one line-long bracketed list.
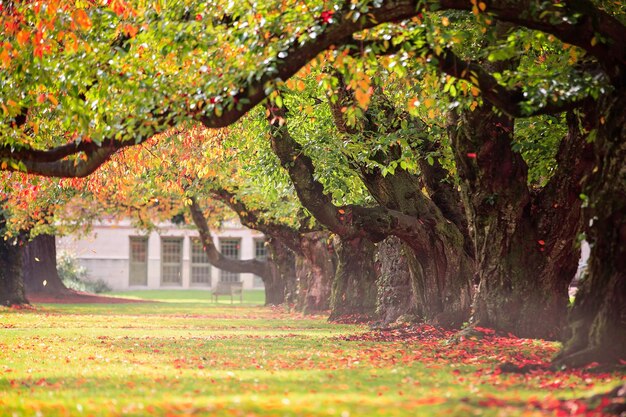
[(168, 258)]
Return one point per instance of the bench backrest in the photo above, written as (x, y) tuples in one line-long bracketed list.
[(234, 288)]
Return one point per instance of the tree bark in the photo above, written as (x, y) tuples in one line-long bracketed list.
[(525, 241), (11, 277), (39, 259), (597, 321), (315, 270), (279, 288), (354, 286), (437, 243), (396, 293)]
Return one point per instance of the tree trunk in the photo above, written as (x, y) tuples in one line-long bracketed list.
[(440, 266), (597, 322), (11, 278), (525, 242), (282, 281), (315, 270), (436, 241), (39, 259), (396, 294), (354, 286)]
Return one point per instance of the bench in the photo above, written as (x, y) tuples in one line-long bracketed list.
[(229, 288)]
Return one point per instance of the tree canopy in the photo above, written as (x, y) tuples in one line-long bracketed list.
[(486, 136)]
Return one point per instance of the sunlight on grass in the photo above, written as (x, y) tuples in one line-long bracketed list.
[(181, 356), (250, 297)]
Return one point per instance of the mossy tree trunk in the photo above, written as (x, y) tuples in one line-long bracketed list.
[(437, 242), (597, 321), (354, 286), (315, 270), (525, 242), (395, 288)]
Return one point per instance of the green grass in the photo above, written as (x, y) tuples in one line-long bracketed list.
[(185, 356), (251, 297)]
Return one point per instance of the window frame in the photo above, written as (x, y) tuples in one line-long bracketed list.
[(164, 264), (131, 261), (192, 264)]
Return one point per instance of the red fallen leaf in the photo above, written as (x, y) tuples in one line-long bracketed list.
[(485, 330), (541, 242), (471, 155), (492, 402)]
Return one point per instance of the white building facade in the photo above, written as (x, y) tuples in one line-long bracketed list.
[(170, 257)]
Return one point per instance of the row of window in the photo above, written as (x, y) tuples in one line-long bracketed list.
[(172, 260)]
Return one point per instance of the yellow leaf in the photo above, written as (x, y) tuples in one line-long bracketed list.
[(431, 114), (429, 102), (594, 41), (445, 21), (482, 6), (53, 99)]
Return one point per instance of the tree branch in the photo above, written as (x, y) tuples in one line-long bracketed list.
[(373, 223), (252, 219), (590, 23), (76, 168), (253, 266)]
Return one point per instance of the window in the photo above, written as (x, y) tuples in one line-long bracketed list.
[(200, 266), (230, 249), (138, 270), (171, 260), (260, 254)]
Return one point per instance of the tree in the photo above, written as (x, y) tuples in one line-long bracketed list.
[(594, 84)]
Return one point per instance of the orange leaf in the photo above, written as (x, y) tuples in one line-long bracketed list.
[(80, 16), (22, 37)]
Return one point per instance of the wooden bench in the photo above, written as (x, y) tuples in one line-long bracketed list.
[(229, 288)]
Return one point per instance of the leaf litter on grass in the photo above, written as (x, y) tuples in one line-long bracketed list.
[(272, 362)]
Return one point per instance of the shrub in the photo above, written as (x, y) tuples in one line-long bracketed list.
[(75, 277)]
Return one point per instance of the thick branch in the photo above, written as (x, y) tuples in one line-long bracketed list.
[(252, 219), (253, 266), (509, 101), (374, 223), (434, 177), (77, 168)]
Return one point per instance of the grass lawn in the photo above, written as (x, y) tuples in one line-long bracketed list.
[(251, 297), (184, 356)]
